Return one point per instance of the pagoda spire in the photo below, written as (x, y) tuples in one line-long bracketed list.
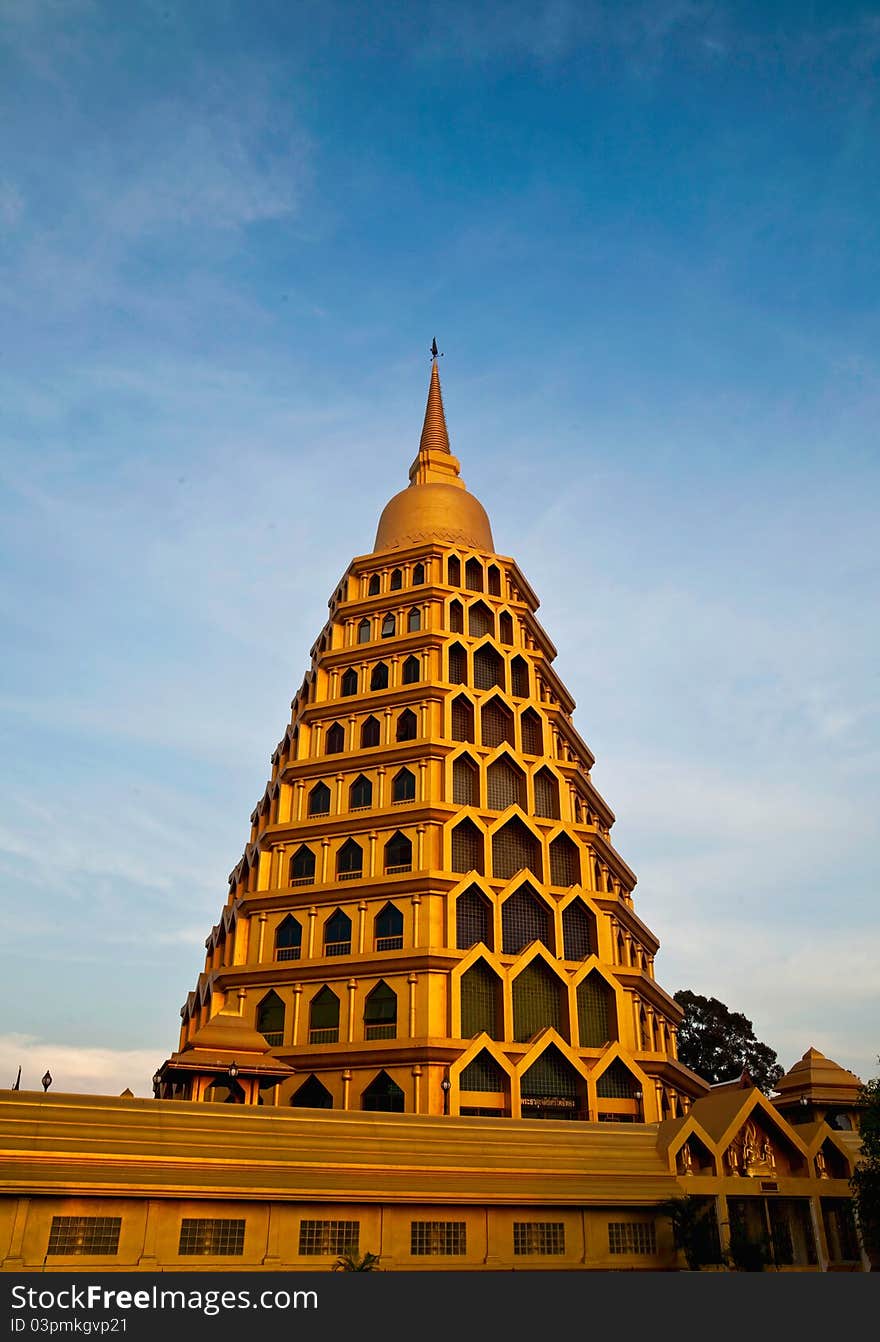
[(435, 462)]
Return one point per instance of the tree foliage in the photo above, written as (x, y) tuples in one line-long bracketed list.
[(351, 1262), (865, 1182), (694, 1229), (718, 1044)]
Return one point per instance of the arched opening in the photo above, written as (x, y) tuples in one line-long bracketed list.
[(288, 939), (225, 1091), (473, 920), (360, 795), (270, 1019), (546, 794), (398, 855), (418, 575), (349, 685), (302, 866), (380, 1013), (335, 743), (532, 733), (383, 1095), (379, 677), (462, 719), (312, 1095), (524, 919), (403, 788), (515, 848), (319, 800), (551, 1088), (481, 1002), (481, 621), (364, 631), (505, 628), (412, 671), (373, 589), (414, 620), (324, 1017), (407, 726), (389, 626), (457, 665), (467, 848), (494, 580), (349, 861), (616, 1090), (578, 932), (519, 680), (565, 863), (456, 617), (505, 785), (465, 782), (337, 934), (488, 668), (537, 1001), (371, 733), (396, 580), (453, 571), (388, 929), (496, 723)]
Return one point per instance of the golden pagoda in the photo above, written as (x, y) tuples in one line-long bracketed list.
[(429, 915)]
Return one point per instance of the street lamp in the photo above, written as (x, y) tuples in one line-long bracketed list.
[(157, 1081), (46, 1079), (232, 1070), (446, 1087), (637, 1096)]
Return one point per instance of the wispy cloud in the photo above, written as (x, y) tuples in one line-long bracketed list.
[(94, 1071)]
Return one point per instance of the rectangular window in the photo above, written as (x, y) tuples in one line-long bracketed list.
[(438, 1237), (538, 1237), (84, 1234), (329, 1237), (211, 1236), (632, 1237)]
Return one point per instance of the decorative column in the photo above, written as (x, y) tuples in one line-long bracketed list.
[(297, 1003), (346, 1086), (412, 979), (416, 902), (362, 924), (352, 988), (313, 914)]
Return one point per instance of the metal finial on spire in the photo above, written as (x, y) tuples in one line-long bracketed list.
[(435, 353)]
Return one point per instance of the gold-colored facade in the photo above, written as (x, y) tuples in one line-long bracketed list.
[(429, 943)]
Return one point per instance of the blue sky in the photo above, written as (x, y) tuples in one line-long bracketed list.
[(646, 237)]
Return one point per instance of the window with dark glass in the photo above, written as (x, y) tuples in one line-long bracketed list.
[(481, 1002), (524, 918), (270, 1019), (594, 1009), (370, 733), (473, 920), (480, 620), (505, 626), (577, 934), (514, 848), (389, 626), (457, 665), (324, 1017), (462, 719), (473, 575), (349, 861), (565, 863), (398, 854), (484, 1074), (412, 671), (364, 631), (404, 786), (361, 794), (312, 1095), (219, 1236), (418, 575), (456, 617), (407, 726), (335, 739), (91, 1235), (453, 569), (546, 795), (494, 581), (373, 589), (388, 929), (302, 865), (532, 733), (467, 848), (319, 800), (396, 580), (349, 684), (380, 1013), (519, 682), (414, 620), (288, 939), (488, 669), (383, 1094), (379, 677)]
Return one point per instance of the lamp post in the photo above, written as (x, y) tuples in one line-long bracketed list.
[(637, 1096), (46, 1079), (446, 1086), (157, 1081)]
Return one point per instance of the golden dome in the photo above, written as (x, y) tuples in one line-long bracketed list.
[(436, 506)]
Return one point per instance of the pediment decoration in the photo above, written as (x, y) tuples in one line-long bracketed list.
[(751, 1153)]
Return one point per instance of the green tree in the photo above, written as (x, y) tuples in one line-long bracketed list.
[(865, 1182), (694, 1229), (718, 1044), (350, 1262)]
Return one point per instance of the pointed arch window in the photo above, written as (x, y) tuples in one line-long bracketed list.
[(302, 866), (370, 733), (398, 854), (524, 919), (388, 929), (373, 589), (496, 721), (396, 580), (505, 785), (565, 865), (537, 1001), (519, 679), (462, 719), (546, 795), (380, 1013), (312, 1095), (515, 848), (456, 617), (481, 1002), (412, 671), (335, 739), (418, 575), (337, 934), (319, 800), (473, 920), (552, 1075), (414, 620), (403, 787), (488, 669), (483, 1074), (473, 575), (457, 665), (594, 1008), (324, 1017), (379, 677), (616, 1082), (361, 794), (364, 631), (480, 620), (465, 782), (467, 848), (270, 1019), (453, 570), (407, 726), (350, 861), (494, 580), (349, 682), (288, 939), (389, 626), (505, 626), (577, 932), (383, 1095)]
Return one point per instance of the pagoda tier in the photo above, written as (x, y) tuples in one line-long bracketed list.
[(429, 915)]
